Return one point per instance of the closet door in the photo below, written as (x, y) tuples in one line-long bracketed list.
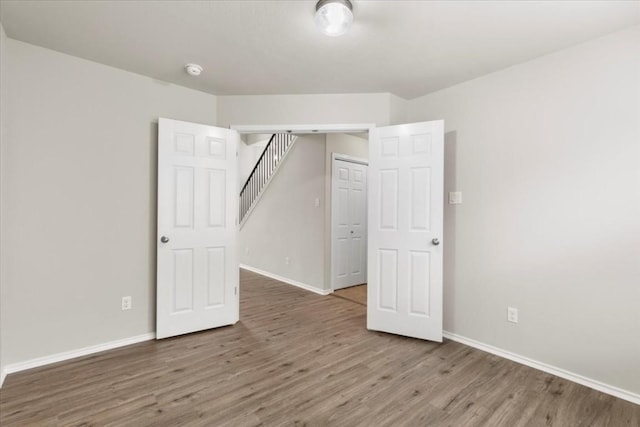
[(348, 223)]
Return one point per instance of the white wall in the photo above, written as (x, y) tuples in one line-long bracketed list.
[(304, 109), (350, 145), (80, 199), (341, 144), (547, 155), (398, 110), (4, 85), (286, 222)]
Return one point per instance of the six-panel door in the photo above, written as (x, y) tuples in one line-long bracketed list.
[(405, 229), (349, 223), (197, 264)]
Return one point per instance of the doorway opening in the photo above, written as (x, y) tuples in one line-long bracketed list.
[(288, 234)]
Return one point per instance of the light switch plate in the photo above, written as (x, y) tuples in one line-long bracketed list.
[(455, 198)]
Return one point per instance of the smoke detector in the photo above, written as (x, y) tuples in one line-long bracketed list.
[(193, 69)]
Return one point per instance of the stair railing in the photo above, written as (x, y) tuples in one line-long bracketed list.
[(271, 156)]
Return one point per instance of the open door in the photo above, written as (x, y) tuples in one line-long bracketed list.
[(197, 264), (405, 211)]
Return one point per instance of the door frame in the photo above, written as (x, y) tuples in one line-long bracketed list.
[(350, 159), (305, 128)]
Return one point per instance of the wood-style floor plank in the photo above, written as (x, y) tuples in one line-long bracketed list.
[(296, 358), (356, 293)]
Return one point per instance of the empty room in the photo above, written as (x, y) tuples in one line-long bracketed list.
[(334, 212)]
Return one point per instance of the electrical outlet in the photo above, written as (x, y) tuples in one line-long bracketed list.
[(317, 202), (512, 315), (126, 303), (246, 251), (286, 260)]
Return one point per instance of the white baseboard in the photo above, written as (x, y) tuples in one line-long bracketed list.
[(567, 375), (59, 357), (287, 280), (3, 374)]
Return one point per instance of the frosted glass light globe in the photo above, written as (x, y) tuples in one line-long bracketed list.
[(334, 18)]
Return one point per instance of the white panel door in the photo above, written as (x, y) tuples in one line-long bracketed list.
[(349, 224), (197, 264), (405, 229)]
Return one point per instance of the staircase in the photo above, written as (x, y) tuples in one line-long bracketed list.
[(272, 156)]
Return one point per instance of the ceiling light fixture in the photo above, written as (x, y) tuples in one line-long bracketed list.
[(193, 69), (334, 17)]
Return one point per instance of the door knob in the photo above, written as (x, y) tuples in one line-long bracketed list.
[(435, 241), (164, 239)]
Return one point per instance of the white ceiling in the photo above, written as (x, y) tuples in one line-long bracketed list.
[(408, 48)]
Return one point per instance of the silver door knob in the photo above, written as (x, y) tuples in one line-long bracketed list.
[(164, 239), (435, 242)]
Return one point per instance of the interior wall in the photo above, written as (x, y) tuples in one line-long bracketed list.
[(349, 145), (4, 85), (80, 199), (304, 109), (547, 155), (286, 223), (398, 110)]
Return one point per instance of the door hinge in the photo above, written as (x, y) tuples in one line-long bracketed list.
[(236, 290)]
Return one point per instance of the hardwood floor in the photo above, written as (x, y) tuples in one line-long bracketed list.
[(357, 294), (295, 359)]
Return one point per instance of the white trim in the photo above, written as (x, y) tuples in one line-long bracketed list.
[(286, 280), (3, 375), (59, 357), (350, 159), (567, 375), (305, 129), (266, 184)]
